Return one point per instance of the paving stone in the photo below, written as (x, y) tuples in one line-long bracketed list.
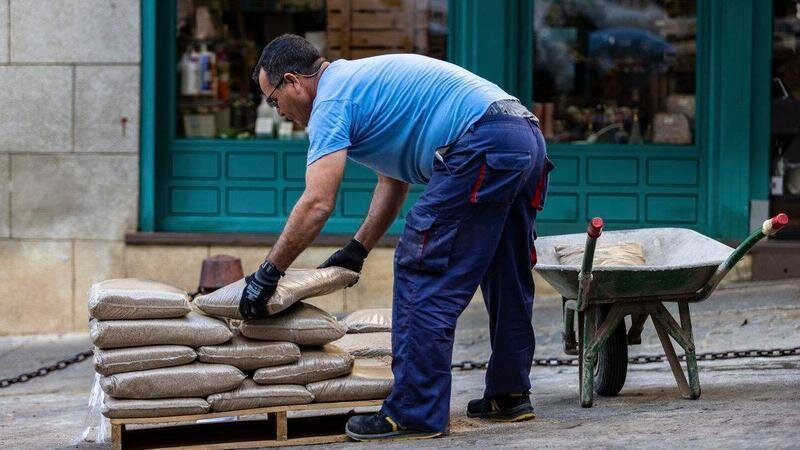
[(74, 196)]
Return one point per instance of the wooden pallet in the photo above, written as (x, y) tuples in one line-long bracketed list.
[(277, 430)]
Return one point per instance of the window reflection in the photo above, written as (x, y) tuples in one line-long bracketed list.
[(218, 44), (615, 71)]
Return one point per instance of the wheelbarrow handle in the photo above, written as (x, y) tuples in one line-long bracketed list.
[(768, 228), (593, 231)]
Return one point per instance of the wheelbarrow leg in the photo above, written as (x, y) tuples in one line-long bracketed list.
[(588, 356), (691, 356), (637, 325), (666, 326), (568, 333)]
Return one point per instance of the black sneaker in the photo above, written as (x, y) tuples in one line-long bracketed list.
[(502, 408), (367, 427)]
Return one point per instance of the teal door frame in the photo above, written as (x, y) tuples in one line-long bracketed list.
[(495, 40)]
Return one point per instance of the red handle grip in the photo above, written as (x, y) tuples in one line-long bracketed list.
[(771, 226), (779, 221), (595, 228)]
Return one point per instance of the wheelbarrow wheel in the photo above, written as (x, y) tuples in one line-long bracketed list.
[(612, 359)]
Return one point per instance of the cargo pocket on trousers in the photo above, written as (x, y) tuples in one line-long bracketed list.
[(500, 176), (426, 242)]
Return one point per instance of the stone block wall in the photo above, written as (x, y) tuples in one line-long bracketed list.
[(69, 154)]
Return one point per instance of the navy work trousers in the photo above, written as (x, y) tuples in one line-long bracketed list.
[(473, 224)]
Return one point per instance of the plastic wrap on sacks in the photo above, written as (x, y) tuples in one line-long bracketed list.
[(194, 330), (251, 395), (192, 380), (363, 345), (248, 354), (302, 324), (313, 365), (126, 409), (109, 362), (297, 285), (369, 380), (133, 298), (621, 254), (373, 320)]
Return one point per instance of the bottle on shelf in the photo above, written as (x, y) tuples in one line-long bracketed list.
[(208, 71), (636, 131), (190, 70), (264, 122)]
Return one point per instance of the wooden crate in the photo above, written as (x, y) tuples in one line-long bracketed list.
[(362, 28), (277, 430)]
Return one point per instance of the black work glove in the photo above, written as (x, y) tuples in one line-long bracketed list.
[(260, 285), (351, 256)]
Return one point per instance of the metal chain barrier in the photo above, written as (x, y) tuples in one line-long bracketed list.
[(467, 365), (648, 359), (46, 370)]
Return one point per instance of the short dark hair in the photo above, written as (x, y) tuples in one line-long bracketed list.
[(285, 54)]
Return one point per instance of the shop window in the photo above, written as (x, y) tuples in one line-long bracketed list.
[(615, 71), (785, 152), (219, 42)]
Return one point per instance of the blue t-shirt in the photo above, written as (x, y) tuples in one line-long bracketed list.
[(391, 112)]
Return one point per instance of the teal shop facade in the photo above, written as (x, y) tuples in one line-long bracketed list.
[(194, 185)]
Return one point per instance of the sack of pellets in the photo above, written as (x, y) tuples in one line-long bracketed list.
[(192, 380), (109, 362), (248, 354), (132, 298), (369, 380), (364, 345), (313, 365), (303, 324), (298, 284), (373, 320), (251, 395), (194, 330), (114, 408)]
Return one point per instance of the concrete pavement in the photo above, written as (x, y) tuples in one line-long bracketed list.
[(749, 403)]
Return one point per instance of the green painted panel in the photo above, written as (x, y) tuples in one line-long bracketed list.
[(566, 171), (672, 172), (195, 165), (290, 197), (559, 208), (355, 202), (194, 201), (671, 208), (620, 171), (252, 202), (252, 166), (294, 166), (613, 208), (356, 172), (413, 196)]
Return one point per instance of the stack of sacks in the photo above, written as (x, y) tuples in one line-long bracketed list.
[(145, 334), (369, 334), (329, 373)]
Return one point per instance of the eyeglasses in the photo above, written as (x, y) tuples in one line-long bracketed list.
[(272, 101)]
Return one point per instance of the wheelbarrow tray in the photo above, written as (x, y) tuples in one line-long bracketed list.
[(679, 262)]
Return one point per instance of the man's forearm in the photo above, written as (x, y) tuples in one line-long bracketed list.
[(305, 222), (387, 199)]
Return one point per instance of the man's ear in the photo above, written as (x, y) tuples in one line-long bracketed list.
[(293, 80)]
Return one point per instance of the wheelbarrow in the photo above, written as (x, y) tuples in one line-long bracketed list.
[(681, 266)]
